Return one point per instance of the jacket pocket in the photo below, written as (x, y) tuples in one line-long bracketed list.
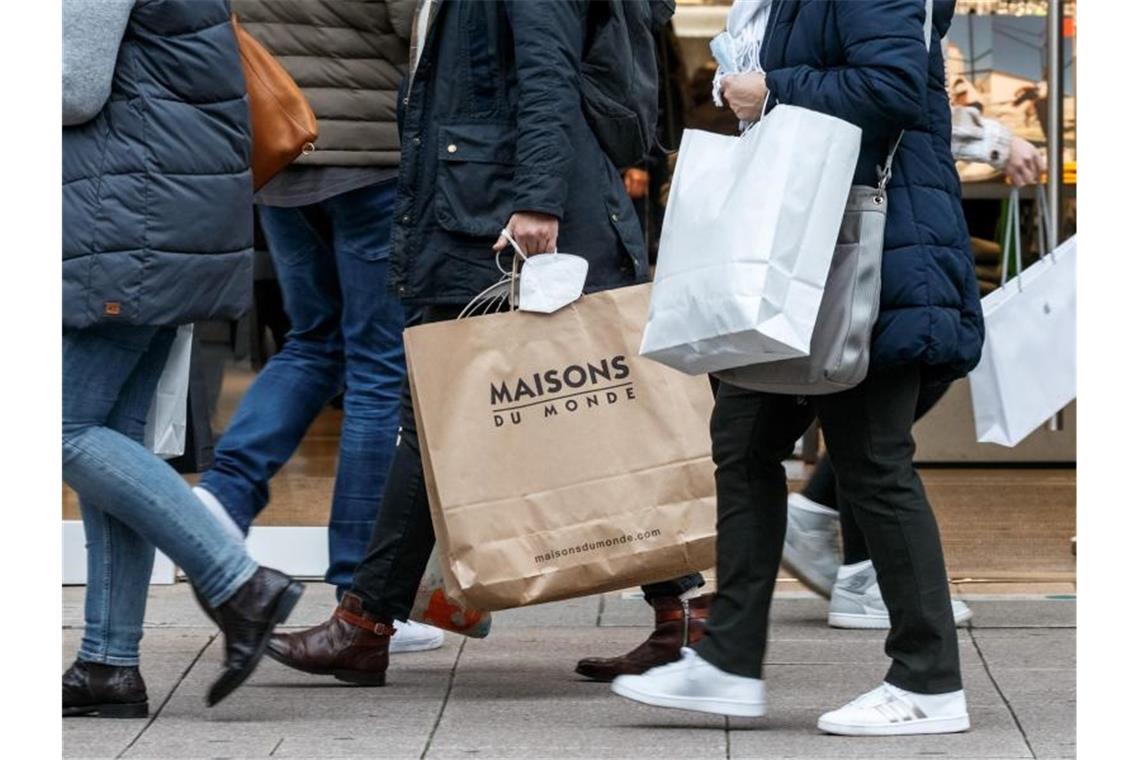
[(476, 176)]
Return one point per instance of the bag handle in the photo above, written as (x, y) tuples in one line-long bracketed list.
[(1012, 234), (1013, 231), (1044, 224), (491, 299)]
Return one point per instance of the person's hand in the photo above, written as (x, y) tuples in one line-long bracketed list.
[(636, 183), (745, 94), (1025, 163), (534, 232)]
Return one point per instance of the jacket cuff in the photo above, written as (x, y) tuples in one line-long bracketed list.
[(997, 141), (539, 192), (776, 81)]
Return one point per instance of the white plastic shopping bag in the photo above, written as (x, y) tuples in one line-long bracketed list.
[(166, 421), (1028, 370), (748, 238)]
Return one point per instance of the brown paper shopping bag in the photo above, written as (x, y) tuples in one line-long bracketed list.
[(558, 462)]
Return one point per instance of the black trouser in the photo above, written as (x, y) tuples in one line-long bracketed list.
[(402, 538), (821, 489), (868, 436)]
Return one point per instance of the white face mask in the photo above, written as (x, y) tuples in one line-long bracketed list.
[(549, 281)]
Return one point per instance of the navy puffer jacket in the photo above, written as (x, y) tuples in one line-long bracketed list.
[(867, 63), (157, 195)]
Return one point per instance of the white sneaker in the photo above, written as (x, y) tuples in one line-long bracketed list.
[(857, 602), (414, 637), (811, 543), (891, 711), (691, 683)]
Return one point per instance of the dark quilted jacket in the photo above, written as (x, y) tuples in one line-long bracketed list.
[(865, 61), (157, 195)]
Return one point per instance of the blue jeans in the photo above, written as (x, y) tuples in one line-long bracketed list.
[(131, 500), (347, 333)]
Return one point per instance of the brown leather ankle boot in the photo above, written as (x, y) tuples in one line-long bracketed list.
[(351, 646), (674, 630)]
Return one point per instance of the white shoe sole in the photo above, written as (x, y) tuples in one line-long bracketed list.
[(416, 645), (877, 622), (695, 704), (954, 725)]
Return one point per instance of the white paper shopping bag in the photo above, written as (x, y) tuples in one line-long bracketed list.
[(748, 238), (165, 432), (1028, 370)]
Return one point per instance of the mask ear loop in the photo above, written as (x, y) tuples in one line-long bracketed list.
[(513, 275)]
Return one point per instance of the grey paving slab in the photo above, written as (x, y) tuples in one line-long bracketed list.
[(582, 613), (1042, 649), (295, 715), (517, 698), (165, 657), (1035, 671), (1004, 613)]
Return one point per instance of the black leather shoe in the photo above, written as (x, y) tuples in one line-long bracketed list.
[(103, 691), (247, 620)]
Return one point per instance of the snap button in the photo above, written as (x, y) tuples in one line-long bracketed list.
[(406, 218), (452, 148), (416, 141), (613, 217)]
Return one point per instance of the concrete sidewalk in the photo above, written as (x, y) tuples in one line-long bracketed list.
[(515, 693)]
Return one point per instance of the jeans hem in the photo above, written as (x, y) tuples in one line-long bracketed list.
[(220, 597), (106, 659)]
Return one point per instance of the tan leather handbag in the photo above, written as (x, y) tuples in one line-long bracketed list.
[(284, 125)]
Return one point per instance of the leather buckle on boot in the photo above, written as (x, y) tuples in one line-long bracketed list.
[(377, 627)]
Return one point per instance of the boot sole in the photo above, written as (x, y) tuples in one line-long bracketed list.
[(231, 680), (694, 704), (109, 710), (955, 725), (597, 677)]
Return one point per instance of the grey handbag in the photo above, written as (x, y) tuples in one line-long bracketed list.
[(841, 340)]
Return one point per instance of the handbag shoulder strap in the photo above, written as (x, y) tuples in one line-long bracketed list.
[(885, 169)]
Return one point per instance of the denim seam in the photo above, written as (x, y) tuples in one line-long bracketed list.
[(104, 629)]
